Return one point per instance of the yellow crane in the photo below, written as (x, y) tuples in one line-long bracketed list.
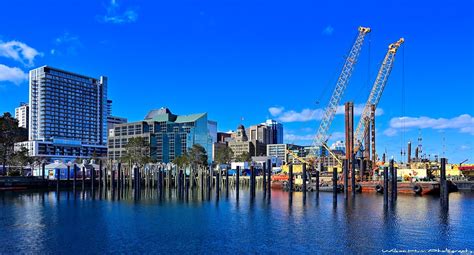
[(342, 81), (294, 155), (376, 92)]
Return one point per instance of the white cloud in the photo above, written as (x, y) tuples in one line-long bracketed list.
[(463, 123), (66, 43), (328, 30), (19, 51), (116, 16), (274, 111), (12, 74), (313, 114), (291, 138)]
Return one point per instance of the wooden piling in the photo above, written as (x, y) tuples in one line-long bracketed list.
[(83, 177), (68, 173), (290, 178), (226, 181), (92, 179), (393, 190), (218, 184), (317, 183), (269, 183), (264, 173), (237, 183), (58, 177), (346, 179), (334, 184), (252, 183), (209, 179), (75, 178), (444, 192), (112, 177), (43, 170), (119, 176), (353, 174), (168, 183), (304, 182)]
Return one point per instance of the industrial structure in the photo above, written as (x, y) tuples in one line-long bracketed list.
[(360, 151)]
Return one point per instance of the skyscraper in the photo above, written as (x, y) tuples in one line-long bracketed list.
[(68, 114), (22, 115), (276, 131)]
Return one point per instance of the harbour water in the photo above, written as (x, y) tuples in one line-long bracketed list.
[(42, 222)]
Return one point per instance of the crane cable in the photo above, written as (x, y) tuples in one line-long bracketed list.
[(403, 103)]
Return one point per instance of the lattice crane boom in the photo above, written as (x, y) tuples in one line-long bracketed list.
[(376, 92), (343, 80)]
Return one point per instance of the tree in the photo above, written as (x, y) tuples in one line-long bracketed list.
[(10, 134), (137, 151), (244, 157), (182, 161), (198, 155), (22, 158), (224, 155)]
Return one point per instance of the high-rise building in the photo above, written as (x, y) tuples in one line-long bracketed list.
[(68, 114), (276, 130), (169, 135), (112, 120), (109, 107), (260, 133), (269, 132), (22, 115)]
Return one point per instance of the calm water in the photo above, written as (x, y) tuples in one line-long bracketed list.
[(42, 223)]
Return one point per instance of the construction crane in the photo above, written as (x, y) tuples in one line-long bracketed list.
[(332, 154), (295, 156), (376, 93), (343, 80)]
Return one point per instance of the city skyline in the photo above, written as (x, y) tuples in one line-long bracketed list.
[(285, 69)]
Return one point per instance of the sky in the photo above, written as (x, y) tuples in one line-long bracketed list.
[(243, 61)]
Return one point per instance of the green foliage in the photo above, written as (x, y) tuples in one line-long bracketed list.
[(10, 134), (137, 151), (182, 161), (244, 157), (22, 158), (224, 155), (197, 155)]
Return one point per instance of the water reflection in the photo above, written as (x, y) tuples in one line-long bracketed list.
[(185, 221)]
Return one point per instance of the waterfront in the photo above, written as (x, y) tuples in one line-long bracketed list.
[(39, 222)]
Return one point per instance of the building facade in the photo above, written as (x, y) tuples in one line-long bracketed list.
[(22, 114), (169, 136), (240, 143), (276, 130), (280, 151), (112, 120), (68, 115)]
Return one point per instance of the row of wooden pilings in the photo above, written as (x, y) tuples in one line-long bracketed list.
[(161, 178)]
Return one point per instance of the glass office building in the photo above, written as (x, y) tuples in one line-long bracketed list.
[(168, 135), (68, 114)]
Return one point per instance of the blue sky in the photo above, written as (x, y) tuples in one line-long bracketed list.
[(237, 59)]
